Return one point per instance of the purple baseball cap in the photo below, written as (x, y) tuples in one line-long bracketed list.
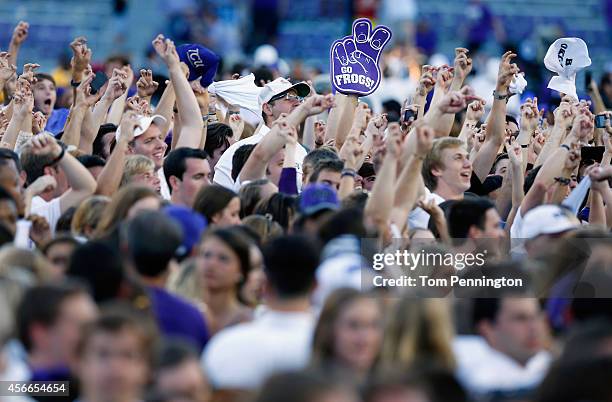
[(192, 223), (318, 197), (201, 61)]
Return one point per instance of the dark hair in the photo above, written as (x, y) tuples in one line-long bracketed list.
[(117, 318), (175, 352), (250, 195), (64, 223), (335, 165), (262, 73), (90, 161), (316, 155), (343, 222), (281, 208), (217, 136), (367, 169), (586, 341), (175, 165), (152, 239), (498, 159), (6, 155), (582, 380), (392, 381), (43, 76), (98, 265), (290, 264), (530, 178), (118, 58), (467, 213), (304, 386), (212, 199), (41, 304), (485, 309), (6, 196), (240, 244), (239, 159), (356, 200), (34, 164), (98, 144), (66, 238)]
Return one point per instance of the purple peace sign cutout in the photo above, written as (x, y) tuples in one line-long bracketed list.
[(354, 58)]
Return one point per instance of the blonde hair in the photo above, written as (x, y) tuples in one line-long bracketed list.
[(134, 165), (420, 330), (88, 214), (433, 159), (119, 206)]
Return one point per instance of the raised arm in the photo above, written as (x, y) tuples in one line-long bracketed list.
[(496, 122), (564, 115), (81, 182), (23, 105), (409, 185), (340, 119), (7, 69), (380, 203), (255, 166), (110, 177), (116, 111), (20, 34), (426, 84), (187, 104), (82, 101), (145, 85)]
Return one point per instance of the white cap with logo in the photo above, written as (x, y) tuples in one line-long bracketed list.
[(547, 219), (279, 86), (144, 122), (566, 56)]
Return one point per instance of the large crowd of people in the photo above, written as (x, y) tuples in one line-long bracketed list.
[(247, 239)]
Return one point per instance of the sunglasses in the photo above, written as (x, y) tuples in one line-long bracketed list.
[(288, 97)]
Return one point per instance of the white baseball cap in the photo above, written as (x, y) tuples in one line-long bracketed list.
[(547, 219), (144, 122), (566, 56), (279, 86)]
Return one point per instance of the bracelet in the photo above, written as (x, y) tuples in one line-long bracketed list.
[(319, 143), (499, 96), (74, 84), (348, 172), (565, 146), (59, 157), (524, 145), (564, 181), (205, 118)]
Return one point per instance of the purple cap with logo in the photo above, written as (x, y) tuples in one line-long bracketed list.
[(318, 197), (201, 61)]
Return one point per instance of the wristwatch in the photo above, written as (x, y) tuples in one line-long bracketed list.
[(498, 96)]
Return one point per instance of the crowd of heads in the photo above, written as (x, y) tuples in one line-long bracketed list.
[(160, 243)]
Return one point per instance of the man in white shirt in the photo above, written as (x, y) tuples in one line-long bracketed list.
[(509, 354), (276, 97), (447, 172), (70, 182), (242, 357)]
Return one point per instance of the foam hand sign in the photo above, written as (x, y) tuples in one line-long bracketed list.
[(354, 59)]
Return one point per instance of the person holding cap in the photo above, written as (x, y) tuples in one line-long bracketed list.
[(276, 97)]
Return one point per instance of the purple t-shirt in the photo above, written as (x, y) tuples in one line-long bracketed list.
[(177, 318)]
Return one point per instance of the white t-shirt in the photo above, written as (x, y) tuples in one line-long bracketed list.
[(483, 369), (418, 218), (243, 356), (163, 184), (223, 168), (51, 210)]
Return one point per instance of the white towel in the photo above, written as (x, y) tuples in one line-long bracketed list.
[(566, 56), (241, 92)]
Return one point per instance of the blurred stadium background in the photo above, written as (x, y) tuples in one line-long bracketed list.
[(302, 30)]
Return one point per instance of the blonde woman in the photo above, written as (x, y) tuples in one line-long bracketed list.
[(87, 216), (140, 170), (419, 331)]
